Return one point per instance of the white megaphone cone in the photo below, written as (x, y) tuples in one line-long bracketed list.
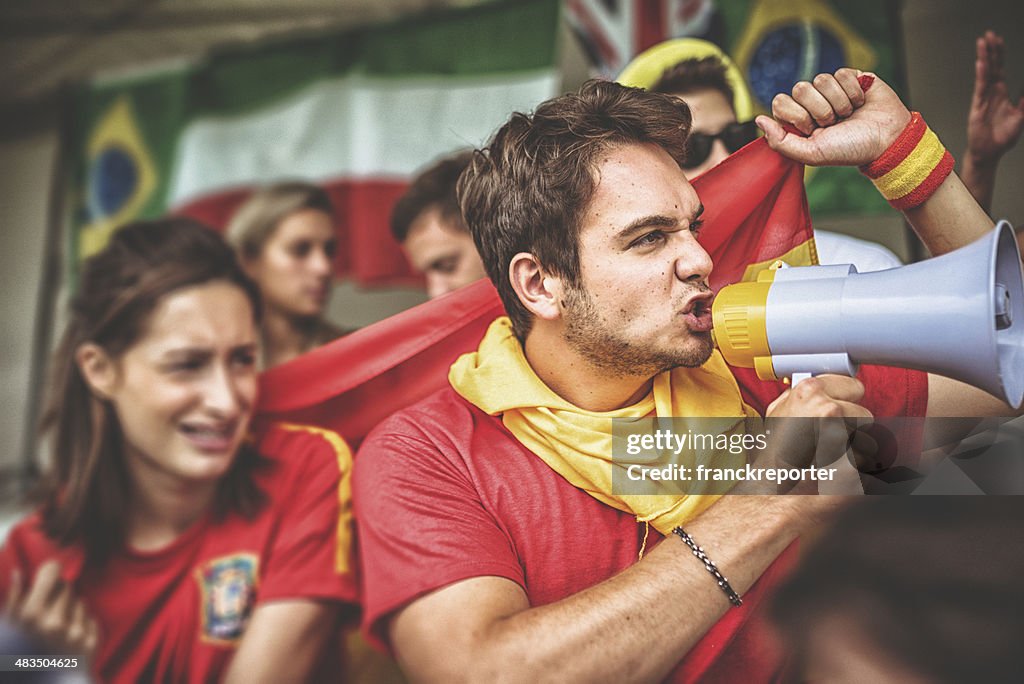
[(960, 315)]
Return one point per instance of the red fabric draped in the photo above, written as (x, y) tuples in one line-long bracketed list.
[(754, 210)]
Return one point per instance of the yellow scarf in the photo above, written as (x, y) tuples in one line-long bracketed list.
[(577, 444)]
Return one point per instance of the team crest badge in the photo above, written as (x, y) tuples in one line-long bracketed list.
[(228, 590)]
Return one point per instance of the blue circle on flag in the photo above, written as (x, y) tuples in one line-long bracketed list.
[(113, 179), (792, 53)]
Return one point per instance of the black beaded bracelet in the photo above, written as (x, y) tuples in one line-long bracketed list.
[(710, 566)]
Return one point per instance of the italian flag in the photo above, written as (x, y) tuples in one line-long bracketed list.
[(358, 112)]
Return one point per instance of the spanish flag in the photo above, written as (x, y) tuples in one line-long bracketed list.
[(355, 382)]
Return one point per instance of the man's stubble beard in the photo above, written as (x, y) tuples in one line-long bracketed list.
[(597, 342)]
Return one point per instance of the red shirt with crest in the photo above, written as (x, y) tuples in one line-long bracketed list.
[(177, 614)]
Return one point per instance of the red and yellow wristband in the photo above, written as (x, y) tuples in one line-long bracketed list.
[(912, 168)]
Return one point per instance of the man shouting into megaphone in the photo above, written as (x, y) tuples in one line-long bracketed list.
[(495, 544)]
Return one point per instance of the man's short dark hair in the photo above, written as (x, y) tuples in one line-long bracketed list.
[(690, 75), (527, 190), (434, 187)]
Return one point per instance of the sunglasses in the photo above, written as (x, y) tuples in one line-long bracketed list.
[(734, 136)]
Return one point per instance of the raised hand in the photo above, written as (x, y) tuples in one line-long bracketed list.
[(833, 121), (994, 122)]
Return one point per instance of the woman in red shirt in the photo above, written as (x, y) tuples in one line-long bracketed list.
[(173, 543)]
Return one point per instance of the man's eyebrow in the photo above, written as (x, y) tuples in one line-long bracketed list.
[(654, 221), (644, 222)]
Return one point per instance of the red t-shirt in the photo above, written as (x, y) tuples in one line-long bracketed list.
[(177, 614), (443, 492)]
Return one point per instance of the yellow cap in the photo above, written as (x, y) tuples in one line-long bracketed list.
[(646, 69)]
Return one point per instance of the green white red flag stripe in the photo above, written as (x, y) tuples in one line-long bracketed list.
[(358, 112)]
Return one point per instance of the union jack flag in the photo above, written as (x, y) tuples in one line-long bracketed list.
[(614, 31)]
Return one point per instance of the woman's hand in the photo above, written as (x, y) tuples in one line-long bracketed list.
[(51, 613)]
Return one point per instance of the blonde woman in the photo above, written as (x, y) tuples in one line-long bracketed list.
[(284, 237)]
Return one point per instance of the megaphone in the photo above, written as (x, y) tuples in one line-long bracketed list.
[(960, 315)]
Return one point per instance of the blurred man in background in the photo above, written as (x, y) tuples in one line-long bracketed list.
[(427, 222)]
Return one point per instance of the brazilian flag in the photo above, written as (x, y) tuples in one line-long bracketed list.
[(121, 175), (123, 136), (777, 43)]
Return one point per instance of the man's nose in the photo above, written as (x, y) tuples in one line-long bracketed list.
[(693, 263), (438, 284)]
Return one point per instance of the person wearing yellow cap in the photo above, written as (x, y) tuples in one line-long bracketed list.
[(495, 543), (699, 73)]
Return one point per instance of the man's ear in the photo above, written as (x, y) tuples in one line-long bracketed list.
[(98, 369), (539, 292)]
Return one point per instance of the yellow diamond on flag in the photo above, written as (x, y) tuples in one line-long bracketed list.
[(784, 42), (804, 254), (121, 176)]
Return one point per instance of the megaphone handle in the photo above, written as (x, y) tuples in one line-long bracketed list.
[(797, 378)]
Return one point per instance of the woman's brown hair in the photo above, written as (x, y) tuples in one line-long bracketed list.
[(86, 489)]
